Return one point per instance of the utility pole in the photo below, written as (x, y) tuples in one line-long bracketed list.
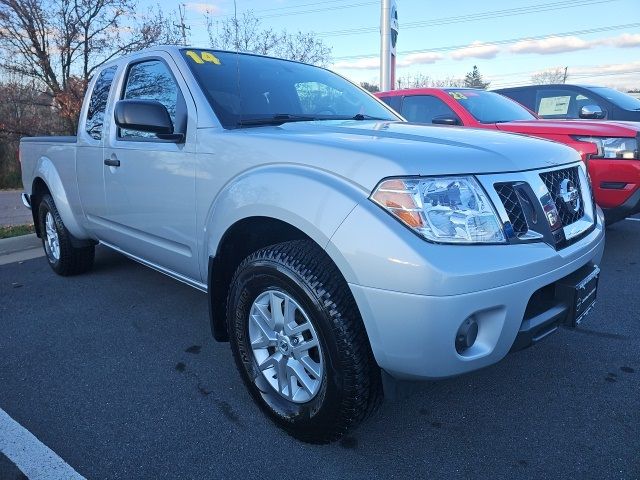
[(388, 39), (564, 79), (182, 25)]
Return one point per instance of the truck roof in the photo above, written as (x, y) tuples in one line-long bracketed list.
[(175, 49)]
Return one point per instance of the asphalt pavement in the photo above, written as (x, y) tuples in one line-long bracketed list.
[(116, 372), (12, 211)]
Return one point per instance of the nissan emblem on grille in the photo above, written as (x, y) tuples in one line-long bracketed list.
[(570, 195), (564, 187)]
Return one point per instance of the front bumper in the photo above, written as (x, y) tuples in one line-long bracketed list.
[(627, 209), (412, 331)]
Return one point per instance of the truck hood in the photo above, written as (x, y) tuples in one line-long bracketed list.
[(593, 128), (398, 148)]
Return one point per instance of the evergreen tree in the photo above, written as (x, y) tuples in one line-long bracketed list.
[(473, 79)]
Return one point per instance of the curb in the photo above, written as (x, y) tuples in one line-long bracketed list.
[(17, 249)]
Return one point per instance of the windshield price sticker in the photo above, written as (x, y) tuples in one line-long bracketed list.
[(554, 105), (458, 95), (203, 57)]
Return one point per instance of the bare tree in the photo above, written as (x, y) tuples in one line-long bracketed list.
[(420, 80), (24, 110), (448, 82), (246, 34), (370, 87), (556, 75), (61, 43)]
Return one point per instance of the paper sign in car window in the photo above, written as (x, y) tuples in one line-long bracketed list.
[(554, 105), (203, 57), (457, 96)]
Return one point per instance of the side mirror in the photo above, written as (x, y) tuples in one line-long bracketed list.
[(593, 112), (146, 116), (445, 120)]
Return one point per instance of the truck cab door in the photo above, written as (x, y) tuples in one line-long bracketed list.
[(150, 182), (89, 166)]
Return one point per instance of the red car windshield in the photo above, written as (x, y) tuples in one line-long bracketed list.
[(489, 107)]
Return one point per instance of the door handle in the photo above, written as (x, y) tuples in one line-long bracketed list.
[(111, 162)]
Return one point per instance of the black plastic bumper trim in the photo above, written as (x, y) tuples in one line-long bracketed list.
[(613, 185), (628, 208), (535, 329)]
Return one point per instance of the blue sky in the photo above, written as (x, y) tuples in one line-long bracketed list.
[(596, 39)]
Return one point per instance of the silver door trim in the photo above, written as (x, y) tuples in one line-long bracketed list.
[(170, 273)]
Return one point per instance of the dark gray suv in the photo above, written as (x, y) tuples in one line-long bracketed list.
[(576, 101)]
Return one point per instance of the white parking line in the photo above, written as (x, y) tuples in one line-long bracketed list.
[(30, 455), (634, 219)]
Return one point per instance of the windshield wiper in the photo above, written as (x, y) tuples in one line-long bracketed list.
[(364, 116), (281, 118), (278, 119)]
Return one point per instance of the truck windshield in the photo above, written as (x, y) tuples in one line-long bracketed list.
[(623, 100), (489, 107), (249, 90)]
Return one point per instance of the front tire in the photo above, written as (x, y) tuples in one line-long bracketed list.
[(299, 342), (63, 257)]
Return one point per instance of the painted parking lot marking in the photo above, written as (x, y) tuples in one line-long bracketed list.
[(30, 455), (634, 219)]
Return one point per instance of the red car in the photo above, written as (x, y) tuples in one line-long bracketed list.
[(610, 149)]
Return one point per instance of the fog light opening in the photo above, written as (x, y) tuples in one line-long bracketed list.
[(467, 334)]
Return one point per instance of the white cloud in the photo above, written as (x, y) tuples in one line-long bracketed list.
[(372, 63), (613, 68), (418, 59), (551, 45), (202, 7), (476, 50), (626, 40)]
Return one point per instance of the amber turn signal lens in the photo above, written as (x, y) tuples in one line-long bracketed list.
[(394, 196)]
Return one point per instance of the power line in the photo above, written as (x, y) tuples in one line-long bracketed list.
[(501, 42), (301, 12), (314, 4), (545, 7), (571, 76)]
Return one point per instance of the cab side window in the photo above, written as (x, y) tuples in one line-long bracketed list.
[(561, 103), (423, 109), (394, 102), (98, 103), (152, 80)]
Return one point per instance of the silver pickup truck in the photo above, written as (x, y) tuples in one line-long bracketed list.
[(340, 247)]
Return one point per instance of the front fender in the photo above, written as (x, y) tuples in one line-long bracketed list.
[(46, 170), (312, 200)]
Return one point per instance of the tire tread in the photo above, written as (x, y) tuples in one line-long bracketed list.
[(362, 384), (73, 260)]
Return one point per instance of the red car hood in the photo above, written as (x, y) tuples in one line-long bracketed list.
[(572, 127)]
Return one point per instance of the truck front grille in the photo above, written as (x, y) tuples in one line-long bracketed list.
[(512, 205), (553, 180), (528, 206)]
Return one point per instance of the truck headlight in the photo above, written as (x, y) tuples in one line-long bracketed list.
[(442, 210), (614, 147)]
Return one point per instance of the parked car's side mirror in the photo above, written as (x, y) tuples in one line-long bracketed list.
[(445, 120), (146, 116), (593, 112)]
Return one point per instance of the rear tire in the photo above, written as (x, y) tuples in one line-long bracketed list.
[(283, 301), (63, 257)]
